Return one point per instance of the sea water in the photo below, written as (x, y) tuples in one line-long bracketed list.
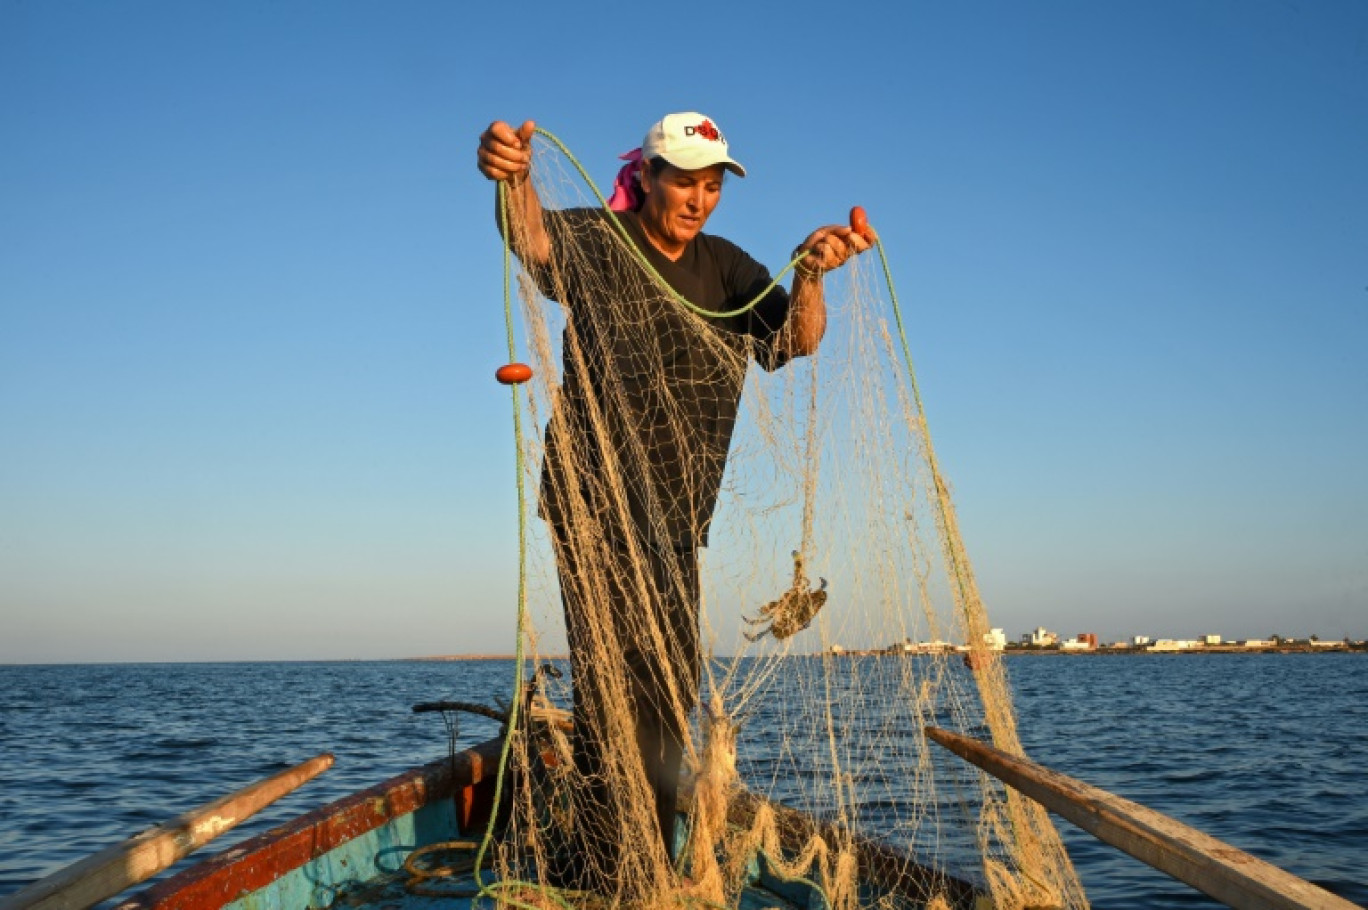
[(1266, 751)]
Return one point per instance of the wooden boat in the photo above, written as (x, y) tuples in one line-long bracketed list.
[(353, 852), (410, 843), (361, 851)]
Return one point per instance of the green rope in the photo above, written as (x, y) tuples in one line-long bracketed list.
[(641, 256), (956, 568), (516, 702)]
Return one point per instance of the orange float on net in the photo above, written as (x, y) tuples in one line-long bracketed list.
[(859, 223), (513, 373)]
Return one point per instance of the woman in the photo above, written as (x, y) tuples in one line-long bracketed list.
[(637, 444)]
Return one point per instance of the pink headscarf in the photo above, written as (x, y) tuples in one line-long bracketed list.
[(626, 189)]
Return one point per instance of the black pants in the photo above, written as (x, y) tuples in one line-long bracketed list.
[(633, 616)]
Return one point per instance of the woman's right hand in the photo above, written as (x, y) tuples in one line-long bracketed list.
[(506, 153)]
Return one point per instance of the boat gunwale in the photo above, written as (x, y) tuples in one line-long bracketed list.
[(267, 857)]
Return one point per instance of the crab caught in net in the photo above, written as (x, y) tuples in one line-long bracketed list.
[(793, 611)]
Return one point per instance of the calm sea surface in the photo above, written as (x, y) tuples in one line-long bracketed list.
[(1268, 752)]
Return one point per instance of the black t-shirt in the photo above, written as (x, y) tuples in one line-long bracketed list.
[(650, 390)]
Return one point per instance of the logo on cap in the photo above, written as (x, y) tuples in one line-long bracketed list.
[(704, 129)]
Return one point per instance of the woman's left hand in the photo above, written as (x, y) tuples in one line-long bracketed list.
[(831, 247)]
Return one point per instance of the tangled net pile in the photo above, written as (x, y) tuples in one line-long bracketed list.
[(834, 543)]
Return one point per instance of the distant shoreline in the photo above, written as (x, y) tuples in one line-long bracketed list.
[(1112, 652), (1010, 652), (1045, 652)]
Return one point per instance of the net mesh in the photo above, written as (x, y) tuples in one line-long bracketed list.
[(829, 597)]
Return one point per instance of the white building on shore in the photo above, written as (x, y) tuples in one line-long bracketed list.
[(926, 647), (1175, 644)]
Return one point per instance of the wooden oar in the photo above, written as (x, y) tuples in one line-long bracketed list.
[(1228, 874), (88, 881)]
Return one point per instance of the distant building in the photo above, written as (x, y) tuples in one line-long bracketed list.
[(1172, 644), (1258, 643), (1085, 641), (1040, 637), (1211, 639), (995, 639), (926, 647), (1140, 641)]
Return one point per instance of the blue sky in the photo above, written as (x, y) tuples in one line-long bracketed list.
[(250, 298)]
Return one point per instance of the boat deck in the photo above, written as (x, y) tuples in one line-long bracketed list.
[(392, 892)]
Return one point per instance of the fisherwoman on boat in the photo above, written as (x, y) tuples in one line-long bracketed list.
[(637, 445)]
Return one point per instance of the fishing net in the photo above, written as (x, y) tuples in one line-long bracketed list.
[(831, 593)]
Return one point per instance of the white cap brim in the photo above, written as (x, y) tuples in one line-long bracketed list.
[(697, 159)]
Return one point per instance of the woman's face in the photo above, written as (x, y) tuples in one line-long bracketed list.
[(678, 204)]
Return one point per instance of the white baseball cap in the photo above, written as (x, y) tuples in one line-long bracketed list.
[(689, 141)]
